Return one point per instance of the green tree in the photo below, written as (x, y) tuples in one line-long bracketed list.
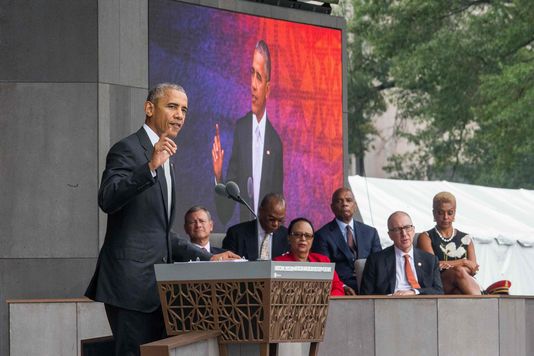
[(364, 94), (463, 73)]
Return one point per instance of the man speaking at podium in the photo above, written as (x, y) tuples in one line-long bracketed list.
[(137, 193), (256, 164)]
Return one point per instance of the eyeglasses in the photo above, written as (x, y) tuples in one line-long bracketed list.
[(398, 230), (299, 235)]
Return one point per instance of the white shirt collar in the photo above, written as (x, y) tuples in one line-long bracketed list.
[(400, 254), (261, 232), (206, 246), (343, 225), (151, 134), (261, 124)]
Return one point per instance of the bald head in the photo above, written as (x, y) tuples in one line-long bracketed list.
[(343, 204), (401, 230), (272, 212)]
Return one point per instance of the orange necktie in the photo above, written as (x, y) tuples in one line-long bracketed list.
[(409, 273)]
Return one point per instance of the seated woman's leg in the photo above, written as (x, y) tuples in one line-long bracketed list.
[(448, 279), (458, 279)]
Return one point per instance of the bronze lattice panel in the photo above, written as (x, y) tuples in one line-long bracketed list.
[(188, 306), (240, 306), (298, 310), (248, 311)]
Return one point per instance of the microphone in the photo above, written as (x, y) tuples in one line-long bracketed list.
[(220, 189), (232, 189)]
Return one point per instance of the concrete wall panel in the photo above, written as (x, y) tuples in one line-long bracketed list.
[(512, 340), (346, 315), (123, 42), (479, 321), (48, 180), (91, 322), (55, 332), (405, 327), (120, 113), (529, 328), (48, 41), (40, 278)]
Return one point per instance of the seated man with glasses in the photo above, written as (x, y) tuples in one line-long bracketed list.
[(300, 241), (401, 269), (263, 238)]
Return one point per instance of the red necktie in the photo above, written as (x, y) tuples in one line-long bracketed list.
[(409, 273)]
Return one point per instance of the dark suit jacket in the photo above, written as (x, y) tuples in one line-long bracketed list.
[(379, 272), (329, 241), (215, 250), (242, 239), (138, 231), (240, 168)]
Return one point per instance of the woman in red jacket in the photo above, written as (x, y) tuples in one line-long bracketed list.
[(300, 241)]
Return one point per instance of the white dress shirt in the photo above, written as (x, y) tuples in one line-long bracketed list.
[(343, 226), (206, 246), (257, 155), (261, 236), (401, 282), (154, 138)]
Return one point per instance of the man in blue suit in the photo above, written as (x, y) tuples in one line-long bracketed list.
[(344, 240), (198, 225)]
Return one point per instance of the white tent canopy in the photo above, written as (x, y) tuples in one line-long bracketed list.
[(500, 221)]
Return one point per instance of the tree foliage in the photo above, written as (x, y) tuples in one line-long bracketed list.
[(462, 72)]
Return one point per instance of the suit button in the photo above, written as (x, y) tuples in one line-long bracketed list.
[(164, 259)]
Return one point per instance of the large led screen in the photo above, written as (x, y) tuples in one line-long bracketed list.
[(212, 54)]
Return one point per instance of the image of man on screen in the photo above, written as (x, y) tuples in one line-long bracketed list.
[(256, 163)]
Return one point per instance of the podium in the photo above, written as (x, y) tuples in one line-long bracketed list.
[(261, 302)]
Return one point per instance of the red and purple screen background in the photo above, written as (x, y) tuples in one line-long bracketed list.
[(209, 52)]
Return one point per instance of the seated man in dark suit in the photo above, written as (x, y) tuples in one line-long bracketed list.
[(344, 240), (401, 269), (199, 225), (263, 238)]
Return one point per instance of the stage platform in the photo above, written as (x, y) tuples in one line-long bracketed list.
[(368, 326)]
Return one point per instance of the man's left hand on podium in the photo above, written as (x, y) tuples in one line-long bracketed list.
[(228, 255)]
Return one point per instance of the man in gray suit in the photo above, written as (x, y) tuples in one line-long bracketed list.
[(137, 193)]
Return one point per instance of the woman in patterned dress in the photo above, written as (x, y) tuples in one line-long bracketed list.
[(455, 249)]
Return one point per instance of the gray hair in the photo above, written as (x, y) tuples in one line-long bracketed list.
[(159, 90), (196, 208)]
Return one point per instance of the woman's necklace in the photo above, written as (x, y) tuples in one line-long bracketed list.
[(443, 238)]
